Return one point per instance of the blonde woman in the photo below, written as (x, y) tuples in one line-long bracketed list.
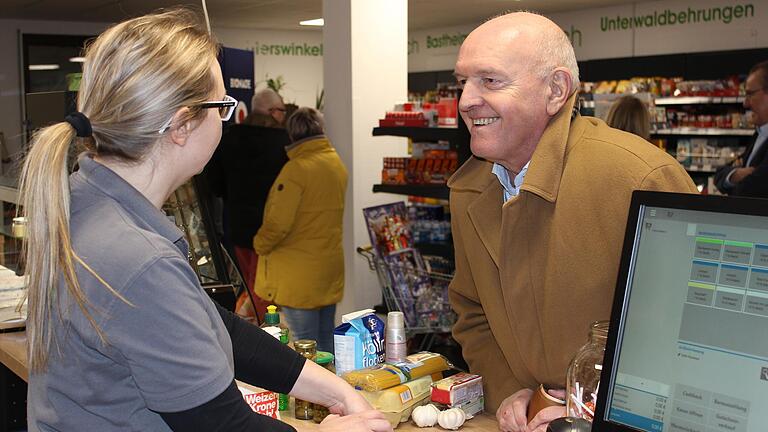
[(631, 115), (121, 335)]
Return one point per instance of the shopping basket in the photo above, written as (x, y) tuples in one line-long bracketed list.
[(409, 285)]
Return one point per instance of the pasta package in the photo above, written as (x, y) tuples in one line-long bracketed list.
[(386, 375), (397, 403)]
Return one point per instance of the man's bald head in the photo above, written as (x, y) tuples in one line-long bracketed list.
[(264, 100), (536, 38), (267, 102), (517, 72)]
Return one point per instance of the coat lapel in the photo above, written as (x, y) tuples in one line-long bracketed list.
[(485, 214), (485, 210)]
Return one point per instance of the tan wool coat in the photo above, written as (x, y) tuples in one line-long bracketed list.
[(534, 272)]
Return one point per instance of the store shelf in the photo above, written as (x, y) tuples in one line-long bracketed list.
[(443, 249), (419, 133), (704, 132), (698, 100), (701, 169), (429, 191)]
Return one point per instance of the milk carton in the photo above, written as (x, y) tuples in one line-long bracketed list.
[(359, 341)]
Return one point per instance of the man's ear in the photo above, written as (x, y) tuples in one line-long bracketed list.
[(560, 89), (181, 127)]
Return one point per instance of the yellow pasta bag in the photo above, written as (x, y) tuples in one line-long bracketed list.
[(386, 375)]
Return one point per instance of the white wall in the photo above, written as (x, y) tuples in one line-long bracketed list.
[(365, 43), (296, 55), (10, 83)]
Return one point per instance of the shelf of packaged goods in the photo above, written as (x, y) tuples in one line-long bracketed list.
[(419, 133), (704, 132), (699, 100), (438, 191), (443, 249), (701, 169)]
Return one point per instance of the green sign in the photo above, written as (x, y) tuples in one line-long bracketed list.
[(292, 49), (668, 17)]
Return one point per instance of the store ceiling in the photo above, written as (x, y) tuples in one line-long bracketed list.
[(281, 14)]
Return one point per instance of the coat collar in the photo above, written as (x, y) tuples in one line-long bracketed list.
[(308, 145), (543, 177), (548, 160), (546, 166)]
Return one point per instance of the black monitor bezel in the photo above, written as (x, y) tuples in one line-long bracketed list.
[(709, 203)]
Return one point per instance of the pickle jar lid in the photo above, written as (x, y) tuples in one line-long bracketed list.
[(324, 357), (305, 344)]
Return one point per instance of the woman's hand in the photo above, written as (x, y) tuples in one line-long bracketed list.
[(353, 403), (365, 421)]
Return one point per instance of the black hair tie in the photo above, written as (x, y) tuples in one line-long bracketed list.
[(81, 124)]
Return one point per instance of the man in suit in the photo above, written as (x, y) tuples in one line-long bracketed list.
[(748, 175), (538, 214)]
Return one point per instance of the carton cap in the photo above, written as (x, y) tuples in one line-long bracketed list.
[(352, 315)]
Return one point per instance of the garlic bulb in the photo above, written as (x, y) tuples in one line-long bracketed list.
[(425, 415), (451, 418)]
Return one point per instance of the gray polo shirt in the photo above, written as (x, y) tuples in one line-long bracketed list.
[(167, 352)]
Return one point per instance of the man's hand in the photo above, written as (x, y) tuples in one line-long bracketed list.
[(512, 413), (542, 419), (739, 174)]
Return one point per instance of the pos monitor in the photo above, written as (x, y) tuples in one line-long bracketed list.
[(687, 349)]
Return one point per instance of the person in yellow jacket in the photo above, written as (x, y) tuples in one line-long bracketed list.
[(301, 264)]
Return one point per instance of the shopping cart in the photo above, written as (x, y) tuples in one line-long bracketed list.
[(414, 286)]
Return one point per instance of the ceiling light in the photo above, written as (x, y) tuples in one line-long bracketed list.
[(318, 22), (77, 59), (40, 67)]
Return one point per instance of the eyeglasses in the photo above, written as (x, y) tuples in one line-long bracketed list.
[(226, 107), (750, 93)]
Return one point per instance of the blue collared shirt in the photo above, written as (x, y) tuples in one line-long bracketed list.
[(511, 188)]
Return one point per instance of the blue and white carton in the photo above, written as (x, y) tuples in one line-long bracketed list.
[(359, 341)]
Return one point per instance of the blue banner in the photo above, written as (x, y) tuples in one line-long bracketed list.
[(237, 68)]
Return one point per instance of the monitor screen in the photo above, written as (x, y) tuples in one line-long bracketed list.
[(689, 345)]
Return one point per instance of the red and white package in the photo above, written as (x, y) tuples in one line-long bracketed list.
[(261, 401)]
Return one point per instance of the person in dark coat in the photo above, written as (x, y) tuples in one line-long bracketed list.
[(242, 170)]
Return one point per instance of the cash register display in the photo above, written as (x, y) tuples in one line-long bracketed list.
[(691, 349)]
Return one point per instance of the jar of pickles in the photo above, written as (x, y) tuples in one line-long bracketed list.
[(324, 359), (303, 410)]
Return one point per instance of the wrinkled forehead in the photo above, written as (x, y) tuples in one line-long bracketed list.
[(488, 49)]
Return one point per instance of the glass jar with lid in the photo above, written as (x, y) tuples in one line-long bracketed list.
[(324, 359), (583, 378), (303, 410)]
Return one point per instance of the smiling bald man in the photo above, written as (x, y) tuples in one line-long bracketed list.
[(538, 212)]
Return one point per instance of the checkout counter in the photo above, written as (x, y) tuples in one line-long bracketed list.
[(13, 355)]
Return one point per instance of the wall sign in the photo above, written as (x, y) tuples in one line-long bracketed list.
[(636, 29)]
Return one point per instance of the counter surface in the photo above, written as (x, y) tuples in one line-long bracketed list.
[(13, 354), (484, 422)]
